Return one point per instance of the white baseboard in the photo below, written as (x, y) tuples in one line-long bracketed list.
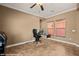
[(64, 42), (47, 38), (12, 45)]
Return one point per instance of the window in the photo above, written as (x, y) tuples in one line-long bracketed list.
[(56, 28), (60, 28), (50, 28)]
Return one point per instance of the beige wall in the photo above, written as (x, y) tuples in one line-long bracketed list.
[(72, 22), (17, 25), (77, 26)]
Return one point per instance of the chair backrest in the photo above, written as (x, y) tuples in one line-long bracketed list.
[(34, 32)]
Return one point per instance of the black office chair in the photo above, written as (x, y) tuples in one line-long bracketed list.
[(36, 35), (3, 41)]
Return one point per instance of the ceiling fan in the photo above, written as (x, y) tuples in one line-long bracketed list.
[(41, 6)]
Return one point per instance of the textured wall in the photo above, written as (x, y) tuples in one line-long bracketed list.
[(72, 22), (17, 25)]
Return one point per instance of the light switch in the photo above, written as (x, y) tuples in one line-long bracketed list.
[(73, 30)]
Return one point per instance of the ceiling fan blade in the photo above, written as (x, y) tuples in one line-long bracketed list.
[(33, 5), (42, 7)]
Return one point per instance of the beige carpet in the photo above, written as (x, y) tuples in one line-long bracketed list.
[(45, 48)]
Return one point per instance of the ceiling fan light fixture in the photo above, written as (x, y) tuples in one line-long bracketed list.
[(39, 3)]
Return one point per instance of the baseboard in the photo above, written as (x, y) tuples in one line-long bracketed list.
[(64, 42), (12, 45), (17, 44)]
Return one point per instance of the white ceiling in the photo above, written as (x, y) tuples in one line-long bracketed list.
[(50, 9)]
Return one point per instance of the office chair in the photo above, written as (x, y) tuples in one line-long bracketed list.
[(36, 35)]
